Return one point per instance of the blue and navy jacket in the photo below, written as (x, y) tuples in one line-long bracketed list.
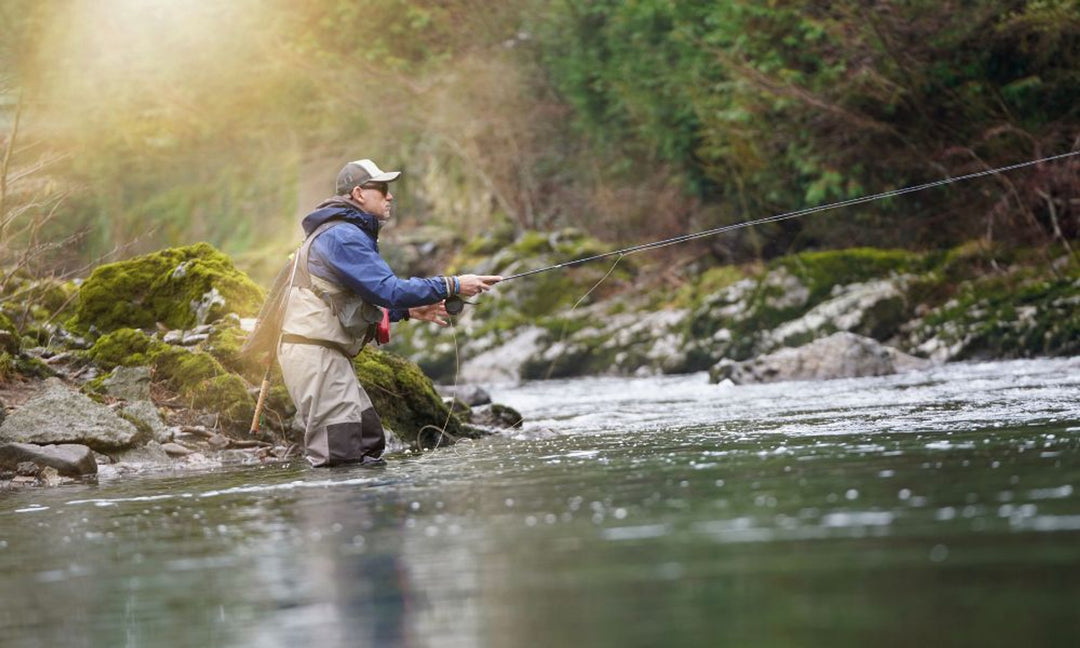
[(348, 255)]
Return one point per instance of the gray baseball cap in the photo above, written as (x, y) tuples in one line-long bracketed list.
[(355, 174)]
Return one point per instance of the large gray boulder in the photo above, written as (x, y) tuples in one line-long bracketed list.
[(61, 414), (841, 355), (69, 459)]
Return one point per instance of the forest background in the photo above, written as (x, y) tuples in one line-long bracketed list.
[(131, 125)]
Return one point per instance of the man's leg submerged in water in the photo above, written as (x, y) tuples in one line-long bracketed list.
[(340, 423)]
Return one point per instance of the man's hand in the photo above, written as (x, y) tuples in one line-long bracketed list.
[(476, 284), (432, 313)]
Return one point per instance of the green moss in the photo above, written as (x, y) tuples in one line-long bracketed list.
[(183, 370), (711, 281), (227, 395), (820, 271), (194, 375), (489, 243), (531, 243), (402, 395), (35, 367), (124, 347), (224, 345), (97, 385), (145, 432), (8, 366), (1020, 313), (176, 287)]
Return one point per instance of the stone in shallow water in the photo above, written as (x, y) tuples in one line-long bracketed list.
[(841, 355), (68, 459), (471, 395)]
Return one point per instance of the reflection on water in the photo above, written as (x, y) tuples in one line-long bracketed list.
[(936, 508)]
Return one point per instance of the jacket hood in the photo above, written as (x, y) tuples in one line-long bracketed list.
[(341, 208)]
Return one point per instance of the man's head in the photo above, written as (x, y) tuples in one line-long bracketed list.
[(368, 185)]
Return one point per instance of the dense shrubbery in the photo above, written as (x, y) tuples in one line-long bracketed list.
[(762, 107), (220, 121)]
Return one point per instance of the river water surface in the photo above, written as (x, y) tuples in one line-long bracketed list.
[(934, 508)]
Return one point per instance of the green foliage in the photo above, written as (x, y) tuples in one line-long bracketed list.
[(176, 287), (771, 106)]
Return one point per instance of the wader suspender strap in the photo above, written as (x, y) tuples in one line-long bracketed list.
[(301, 269)]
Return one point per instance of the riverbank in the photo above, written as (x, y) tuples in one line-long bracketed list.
[(902, 309), (139, 368), (149, 348)]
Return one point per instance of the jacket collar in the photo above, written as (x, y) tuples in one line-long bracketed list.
[(342, 208)]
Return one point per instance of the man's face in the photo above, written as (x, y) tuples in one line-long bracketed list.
[(375, 198)]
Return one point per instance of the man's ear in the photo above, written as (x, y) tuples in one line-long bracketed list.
[(357, 195)]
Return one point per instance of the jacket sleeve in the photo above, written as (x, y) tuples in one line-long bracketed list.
[(348, 257)]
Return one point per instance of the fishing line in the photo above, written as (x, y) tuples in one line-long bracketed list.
[(792, 214), (450, 412), (566, 323)]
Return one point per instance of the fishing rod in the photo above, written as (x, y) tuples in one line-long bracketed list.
[(455, 304)]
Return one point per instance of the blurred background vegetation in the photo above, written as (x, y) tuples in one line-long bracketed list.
[(132, 125)]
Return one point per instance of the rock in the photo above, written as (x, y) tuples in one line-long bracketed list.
[(173, 337), (27, 469), (841, 355), (197, 460), (67, 459), (49, 476), (143, 413), (218, 441), (471, 395), (62, 415), (403, 396), (178, 287), (498, 416), (128, 383), (176, 450), (874, 308), (152, 453), (503, 363)]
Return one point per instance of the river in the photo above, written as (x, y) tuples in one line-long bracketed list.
[(932, 508)]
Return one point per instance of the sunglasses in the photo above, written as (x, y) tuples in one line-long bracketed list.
[(381, 187)]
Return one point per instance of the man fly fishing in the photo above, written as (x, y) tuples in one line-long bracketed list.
[(342, 295)]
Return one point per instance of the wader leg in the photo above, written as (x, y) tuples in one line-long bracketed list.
[(340, 423)]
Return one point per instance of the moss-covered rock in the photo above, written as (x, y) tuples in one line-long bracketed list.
[(224, 344), (177, 287), (192, 374), (227, 395), (402, 395), (1016, 314), (125, 347), (10, 340), (821, 271), (539, 299)]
